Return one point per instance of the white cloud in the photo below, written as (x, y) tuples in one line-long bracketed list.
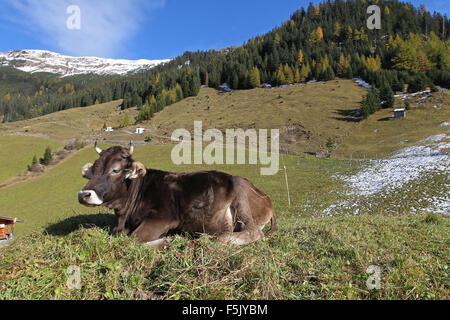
[(106, 25)]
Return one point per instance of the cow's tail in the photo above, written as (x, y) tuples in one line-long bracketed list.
[(273, 222)]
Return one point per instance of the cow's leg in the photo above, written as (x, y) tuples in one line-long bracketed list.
[(226, 228), (246, 237), (121, 220), (249, 230), (150, 230)]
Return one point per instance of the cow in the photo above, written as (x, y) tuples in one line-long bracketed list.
[(150, 204)]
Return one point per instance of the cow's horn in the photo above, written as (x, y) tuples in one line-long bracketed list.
[(97, 148), (131, 147)]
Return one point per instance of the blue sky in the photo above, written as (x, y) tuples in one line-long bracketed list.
[(144, 29)]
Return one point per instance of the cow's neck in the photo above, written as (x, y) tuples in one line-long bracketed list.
[(128, 204)]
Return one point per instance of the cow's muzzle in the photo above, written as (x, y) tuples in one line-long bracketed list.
[(89, 198)]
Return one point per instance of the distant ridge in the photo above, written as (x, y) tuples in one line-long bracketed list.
[(46, 61)]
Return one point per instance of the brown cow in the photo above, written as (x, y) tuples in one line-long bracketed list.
[(150, 203)]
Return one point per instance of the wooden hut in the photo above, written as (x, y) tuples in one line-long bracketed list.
[(400, 113), (7, 228)]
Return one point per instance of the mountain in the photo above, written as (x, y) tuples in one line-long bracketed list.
[(46, 61), (321, 42)]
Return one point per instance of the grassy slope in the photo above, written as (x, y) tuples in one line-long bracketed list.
[(38, 205), (17, 152), (377, 137), (72, 123), (308, 257), (314, 112)]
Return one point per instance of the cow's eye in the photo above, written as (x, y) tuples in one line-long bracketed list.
[(115, 171)]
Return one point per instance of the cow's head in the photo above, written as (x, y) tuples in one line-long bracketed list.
[(110, 176)]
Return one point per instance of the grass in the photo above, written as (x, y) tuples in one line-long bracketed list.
[(16, 152), (306, 114), (71, 123), (379, 137), (58, 199), (308, 258)]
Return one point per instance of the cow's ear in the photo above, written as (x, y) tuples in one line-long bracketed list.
[(86, 171), (137, 170)]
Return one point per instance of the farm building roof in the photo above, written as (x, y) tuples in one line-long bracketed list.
[(11, 220)]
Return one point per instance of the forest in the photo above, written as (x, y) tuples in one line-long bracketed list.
[(409, 52)]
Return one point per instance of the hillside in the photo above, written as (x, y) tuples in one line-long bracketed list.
[(16, 152), (335, 251), (318, 42), (83, 123), (306, 114), (344, 214), (379, 136)]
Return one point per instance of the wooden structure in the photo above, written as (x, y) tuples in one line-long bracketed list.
[(7, 228), (400, 113)]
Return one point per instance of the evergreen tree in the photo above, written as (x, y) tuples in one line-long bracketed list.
[(387, 97), (34, 162), (47, 157), (254, 78)]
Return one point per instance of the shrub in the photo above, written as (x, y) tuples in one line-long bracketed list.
[(407, 105), (75, 144), (330, 144)]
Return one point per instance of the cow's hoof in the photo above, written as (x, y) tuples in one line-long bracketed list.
[(158, 244)]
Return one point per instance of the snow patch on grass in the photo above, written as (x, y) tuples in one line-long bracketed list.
[(397, 181)]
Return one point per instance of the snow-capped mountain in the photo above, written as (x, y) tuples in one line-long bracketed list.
[(47, 61)]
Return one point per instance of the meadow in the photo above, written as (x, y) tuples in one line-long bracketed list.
[(307, 115), (70, 124), (378, 136), (313, 255), (16, 153), (309, 257)]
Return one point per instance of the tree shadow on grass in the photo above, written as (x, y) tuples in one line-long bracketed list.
[(386, 119), (349, 115), (69, 225)]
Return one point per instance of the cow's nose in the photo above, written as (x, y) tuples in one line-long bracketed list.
[(84, 196)]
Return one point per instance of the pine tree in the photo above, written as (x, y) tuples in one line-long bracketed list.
[(280, 77), (297, 77), (288, 74), (300, 58), (254, 80), (34, 162), (304, 73), (125, 121), (337, 30), (387, 96), (47, 157)]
